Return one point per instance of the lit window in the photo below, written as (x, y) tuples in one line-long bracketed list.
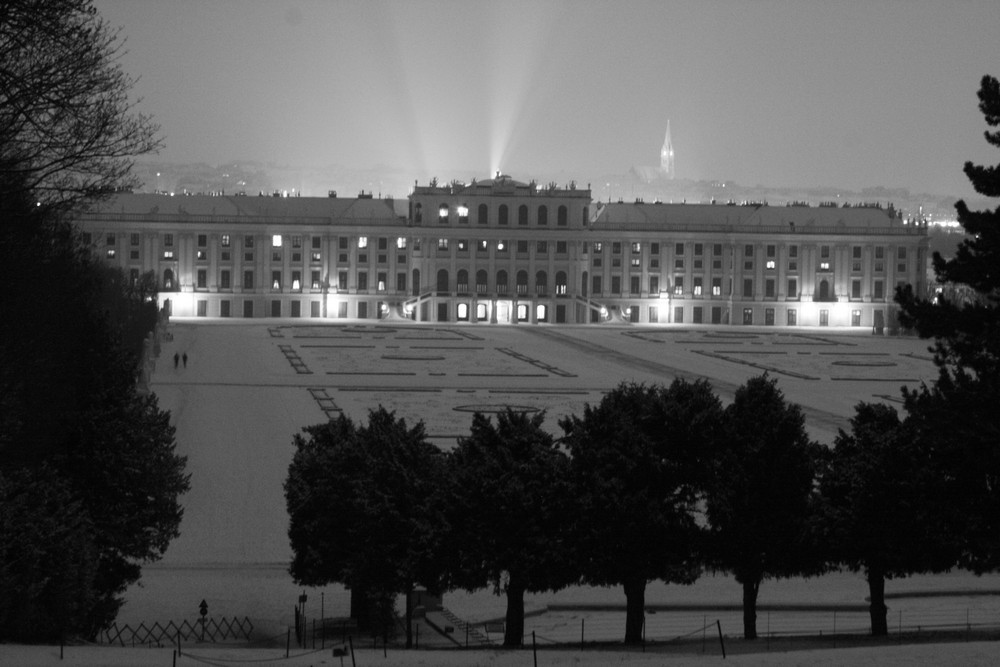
[(276, 241), (362, 242), (824, 266), (636, 248), (168, 254), (111, 253), (135, 239), (168, 240), (598, 246), (443, 213), (317, 256), (463, 214), (225, 240), (770, 264), (296, 241), (484, 246), (401, 243), (502, 246), (442, 244)]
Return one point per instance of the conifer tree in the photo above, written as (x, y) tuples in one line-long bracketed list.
[(957, 415)]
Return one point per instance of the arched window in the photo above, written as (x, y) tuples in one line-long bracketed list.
[(463, 214), (562, 218), (561, 283), (541, 283), (483, 215), (543, 215), (503, 214), (501, 282), (585, 218), (481, 286), (522, 214), (442, 281), (463, 281), (168, 281), (418, 213), (522, 282)]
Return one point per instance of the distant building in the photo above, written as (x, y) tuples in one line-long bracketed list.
[(507, 252), (666, 169)]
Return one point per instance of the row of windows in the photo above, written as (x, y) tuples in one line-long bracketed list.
[(823, 288), (503, 215)]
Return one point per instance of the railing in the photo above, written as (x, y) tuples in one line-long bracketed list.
[(207, 630)]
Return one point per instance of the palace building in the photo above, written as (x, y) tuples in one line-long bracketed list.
[(501, 251)]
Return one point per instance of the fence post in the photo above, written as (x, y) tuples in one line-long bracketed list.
[(704, 631), (350, 642), (288, 641), (721, 643), (582, 624), (534, 649)]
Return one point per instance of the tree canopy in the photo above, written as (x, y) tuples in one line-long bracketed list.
[(638, 464), (508, 502), (758, 503), (364, 509)]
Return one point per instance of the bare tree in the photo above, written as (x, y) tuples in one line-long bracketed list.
[(68, 131)]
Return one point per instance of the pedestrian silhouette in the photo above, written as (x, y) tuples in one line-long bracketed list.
[(185, 358), (177, 359)]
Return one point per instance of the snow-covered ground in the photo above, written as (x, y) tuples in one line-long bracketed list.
[(971, 654), (249, 386)]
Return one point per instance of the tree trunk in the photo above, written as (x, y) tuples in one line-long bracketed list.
[(877, 608), (409, 618), (514, 628), (750, 590), (635, 603), (361, 608)]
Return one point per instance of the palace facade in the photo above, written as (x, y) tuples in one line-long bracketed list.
[(501, 251)]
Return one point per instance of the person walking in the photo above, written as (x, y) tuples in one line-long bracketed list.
[(185, 358), (177, 359)]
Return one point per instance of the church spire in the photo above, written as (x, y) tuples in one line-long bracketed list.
[(667, 155)]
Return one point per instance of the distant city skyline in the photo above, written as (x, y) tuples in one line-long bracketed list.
[(832, 94)]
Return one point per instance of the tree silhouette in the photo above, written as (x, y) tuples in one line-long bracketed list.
[(957, 415)]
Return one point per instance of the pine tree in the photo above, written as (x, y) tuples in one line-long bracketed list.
[(957, 415)]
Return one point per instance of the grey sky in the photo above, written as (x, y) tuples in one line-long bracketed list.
[(835, 93)]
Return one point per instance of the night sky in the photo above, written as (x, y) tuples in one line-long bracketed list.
[(843, 94)]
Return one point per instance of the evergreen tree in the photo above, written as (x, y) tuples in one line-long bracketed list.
[(637, 463), (957, 415), (509, 502), (759, 500), (879, 511)]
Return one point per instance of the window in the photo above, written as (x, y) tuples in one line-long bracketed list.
[(560, 247), (111, 253), (616, 284), (793, 265), (879, 252), (598, 247), (636, 262), (275, 255), (633, 285), (562, 216), (503, 247), (483, 246), (442, 244), (483, 214), (401, 243), (748, 250), (716, 286), (772, 251), (522, 214), (543, 215), (169, 254), (315, 281), (901, 253), (791, 317), (317, 257), (522, 246), (855, 318), (678, 248), (855, 289), (202, 240), (748, 316), (502, 216), (654, 285), (856, 252), (133, 254), (443, 214), (616, 248), (275, 279), (717, 250), (793, 288), (678, 285), (679, 264), (793, 251), (541, 282), (168, 240), (878, 290), (481, 282), (597, 285), (463, 214), (342, 280), (824, 318), (224, 279), (248, 280), (697, 286), (824, 266), (382, 277), (769, 288), (276, 241), (201, 255), (748, 288), (383, 243), (769, 317), (698, 249), (401, 282), (748, 265), (542, 247), (824, 252), (110, 240), (770, 265), (342, 243), (560, 282), (636, 248), (297, 281), (362, 242), (134, 240), (362, 281), (317, 243)]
